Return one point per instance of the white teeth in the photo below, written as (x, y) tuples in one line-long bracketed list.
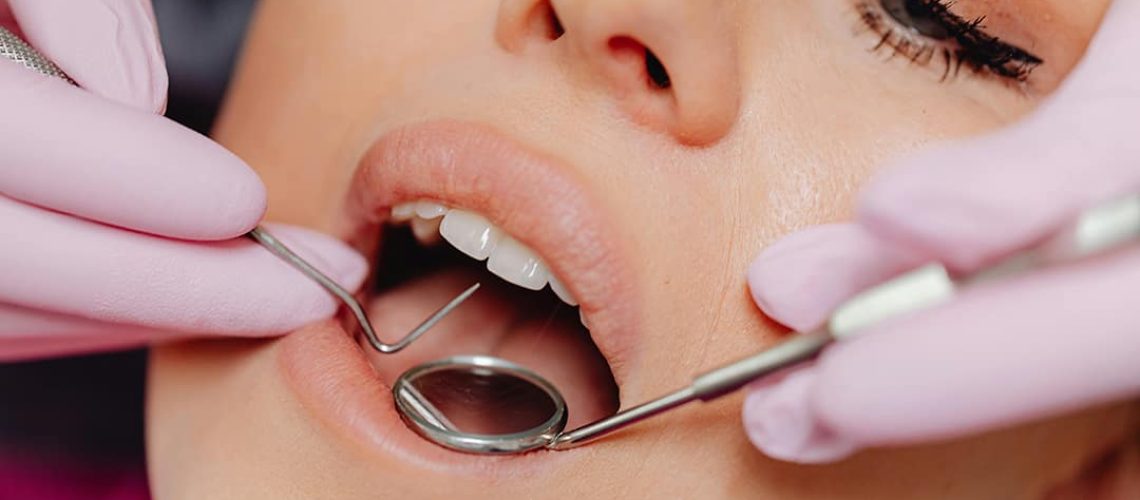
[(426, 231), (517, 264), (561, 291), (582, 318), (477, 237), (403, 212), (470, 233), (429, 210)]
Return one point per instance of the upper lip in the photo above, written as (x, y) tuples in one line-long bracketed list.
[(535, 198)]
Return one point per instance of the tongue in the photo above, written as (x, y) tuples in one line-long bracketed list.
[(535, 330)]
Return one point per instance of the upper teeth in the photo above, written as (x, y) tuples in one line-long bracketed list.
[(477, 237)]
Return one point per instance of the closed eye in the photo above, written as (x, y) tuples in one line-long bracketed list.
[(927, 32)]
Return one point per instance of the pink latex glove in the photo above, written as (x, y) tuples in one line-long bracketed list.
[(1028, 348), (111, 215)]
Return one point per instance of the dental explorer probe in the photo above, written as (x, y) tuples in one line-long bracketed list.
[(260, 235), (1102, 229), (19, 51)]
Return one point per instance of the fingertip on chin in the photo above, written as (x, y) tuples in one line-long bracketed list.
[(772, 280), (780, 303), (757, 277), (784, 279)]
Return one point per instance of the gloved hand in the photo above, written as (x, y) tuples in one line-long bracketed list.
[(111, 215), (1004, 353)]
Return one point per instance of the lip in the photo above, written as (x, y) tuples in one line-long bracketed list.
[(535, 198)]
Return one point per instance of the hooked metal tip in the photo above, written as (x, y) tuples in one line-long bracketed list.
[(428, 323), (267, 240)]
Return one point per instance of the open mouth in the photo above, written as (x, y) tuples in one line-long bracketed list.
[(440, 206), (522, 313)]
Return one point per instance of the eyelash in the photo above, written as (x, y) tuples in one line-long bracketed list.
[(968, 44)]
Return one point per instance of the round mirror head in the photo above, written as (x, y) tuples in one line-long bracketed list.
[(480, 404)]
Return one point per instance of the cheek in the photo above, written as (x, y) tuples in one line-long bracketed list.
[(809, 140)]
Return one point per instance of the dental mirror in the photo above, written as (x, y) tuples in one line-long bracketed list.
[(480, 404)]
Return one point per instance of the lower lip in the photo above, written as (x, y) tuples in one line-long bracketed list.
[(331, 377)]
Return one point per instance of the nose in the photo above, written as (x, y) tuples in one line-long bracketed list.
[(670, 65)]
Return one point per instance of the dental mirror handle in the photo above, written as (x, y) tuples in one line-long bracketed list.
[(1101, 229), (705, 387)]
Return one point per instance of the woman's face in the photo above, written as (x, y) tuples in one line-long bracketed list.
[(644, 184)]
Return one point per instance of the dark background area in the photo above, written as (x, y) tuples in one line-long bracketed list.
[(90, 408)]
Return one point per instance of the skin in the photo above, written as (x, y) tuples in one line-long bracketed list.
[(758, 136)]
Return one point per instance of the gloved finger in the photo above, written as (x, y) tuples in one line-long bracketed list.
[(801, 278), (67, 265), (30, 334), (968, 204), (773, 416), (110, 47), (1041, 345), (62, 148)]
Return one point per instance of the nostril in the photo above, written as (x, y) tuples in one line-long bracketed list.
[(670, 70), (657, 73), (556, 29), (652, 69), (527, 24), (544, 22)]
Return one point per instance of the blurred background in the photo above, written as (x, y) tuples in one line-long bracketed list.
[(73, 427)]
